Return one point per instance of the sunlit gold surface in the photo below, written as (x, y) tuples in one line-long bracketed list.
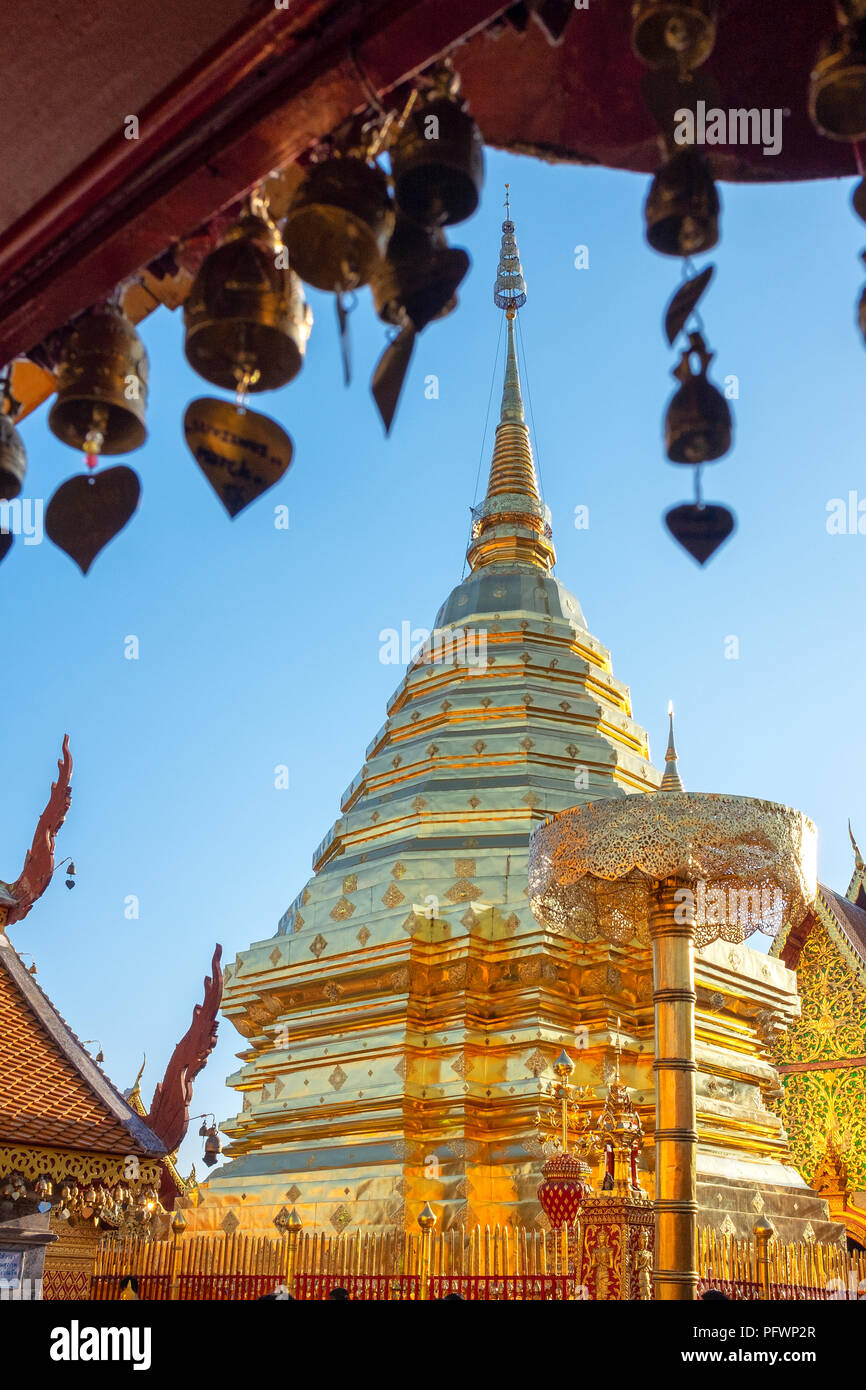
[(661, 846), (401, 1025)]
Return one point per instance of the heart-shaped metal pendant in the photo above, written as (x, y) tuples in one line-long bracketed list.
[(87, 512), (700, 529), (241, 453)]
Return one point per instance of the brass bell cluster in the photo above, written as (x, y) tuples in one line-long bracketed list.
[(247, 325), (99, 409), (350, 224), (674, 38), (70, 1201), (697, 429)]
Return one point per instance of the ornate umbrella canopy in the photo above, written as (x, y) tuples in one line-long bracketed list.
[(741, 865)]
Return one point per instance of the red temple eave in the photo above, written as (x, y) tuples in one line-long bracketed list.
[(264, 86)]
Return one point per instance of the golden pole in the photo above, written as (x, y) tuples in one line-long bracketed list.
[(676, 1136), (294, 1226), (763, 1231), (178, 1226), (427, 1220)]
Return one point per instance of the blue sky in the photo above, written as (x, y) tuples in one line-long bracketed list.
[(260, 647)]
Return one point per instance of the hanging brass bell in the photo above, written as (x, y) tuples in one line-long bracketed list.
[(246, 318), (698, 425), (682, 208), (418, 278), (437, 161), (338, 224), (837, 84), (212, 1147), (101, 385), (13, 460), (674, 33)]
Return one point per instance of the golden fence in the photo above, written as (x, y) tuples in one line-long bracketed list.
[(493, 1262), (798, 1270), (499, 1262)]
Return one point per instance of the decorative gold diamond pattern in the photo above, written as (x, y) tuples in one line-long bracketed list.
[(536, 1062), (392, 897), (350, 883), (340, 1217), (318, 945), (338, 1078), (463, 891), (342, 909), (363, 936)]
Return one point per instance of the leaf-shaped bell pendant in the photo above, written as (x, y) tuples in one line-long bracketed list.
[(101, 385), (698, 426), (682, 208), (13, 460), (837, 85), (339, 222), (246, 318), (437, 160), (674, 33)]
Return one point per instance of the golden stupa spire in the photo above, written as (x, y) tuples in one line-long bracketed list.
[(511, 527), (671, 780)]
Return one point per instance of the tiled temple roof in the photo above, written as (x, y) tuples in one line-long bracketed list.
[(52, 1093)]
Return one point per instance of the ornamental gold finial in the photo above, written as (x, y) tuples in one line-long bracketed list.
[(564, 1120), (135, 1089), (671, 780), (509, 291)]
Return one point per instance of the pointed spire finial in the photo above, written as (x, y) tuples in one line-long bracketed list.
[(512, 525), (509, 291), (858, 858), (671, 780)]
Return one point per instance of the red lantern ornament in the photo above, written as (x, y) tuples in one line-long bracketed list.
[(566, 1181)]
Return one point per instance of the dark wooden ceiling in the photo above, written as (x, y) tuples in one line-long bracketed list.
[(227, 91)]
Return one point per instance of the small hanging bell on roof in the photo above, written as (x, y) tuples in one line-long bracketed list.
[(698, 425), (674, 33), (682, 208), (338, 224), (437, 160), (246, 314), (419, 276), (101, 385), (415, 284), (212, 1147), (837, 85)]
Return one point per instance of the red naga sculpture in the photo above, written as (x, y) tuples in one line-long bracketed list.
[(39, 863), (169, 1110)]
